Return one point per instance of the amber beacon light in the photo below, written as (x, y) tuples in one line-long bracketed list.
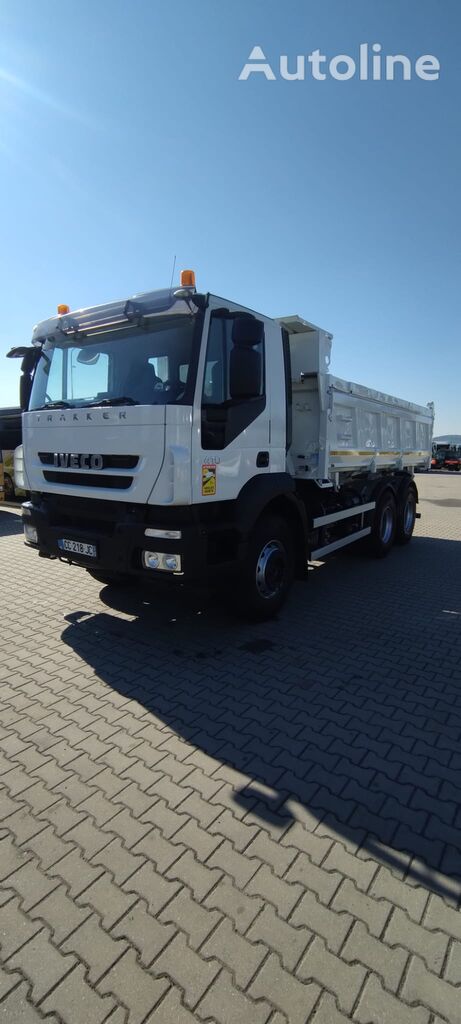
[(63, 308), (187, 278)]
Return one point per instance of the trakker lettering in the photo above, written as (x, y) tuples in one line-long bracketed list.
[(76, 417)]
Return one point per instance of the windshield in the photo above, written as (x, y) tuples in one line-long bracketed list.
[(152, 365)]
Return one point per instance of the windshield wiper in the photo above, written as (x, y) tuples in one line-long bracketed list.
[(56, 405), (121, 400)]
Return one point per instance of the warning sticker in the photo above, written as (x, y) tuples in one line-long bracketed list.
[(208, 480)]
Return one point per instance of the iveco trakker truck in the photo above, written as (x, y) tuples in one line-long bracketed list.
[(179, 435)]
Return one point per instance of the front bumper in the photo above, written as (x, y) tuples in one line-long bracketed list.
[(119, 533)]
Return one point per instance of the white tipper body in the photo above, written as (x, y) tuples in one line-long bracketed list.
[(342, 427), (337, 427)]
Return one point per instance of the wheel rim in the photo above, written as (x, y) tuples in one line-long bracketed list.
[(409, 514), (270, 569), (387, 524)]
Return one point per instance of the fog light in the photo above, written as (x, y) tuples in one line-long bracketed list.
[(151, 559), (162, 561), (30, 534), (171, 562)]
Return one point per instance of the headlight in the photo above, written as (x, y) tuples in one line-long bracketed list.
[(160, 560), (30, 534)]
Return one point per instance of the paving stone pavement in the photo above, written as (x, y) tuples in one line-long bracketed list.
[(205, 820)]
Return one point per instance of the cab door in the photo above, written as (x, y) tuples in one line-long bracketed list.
[(232, 414)]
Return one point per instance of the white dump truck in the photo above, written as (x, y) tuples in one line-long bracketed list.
[(178, 435)]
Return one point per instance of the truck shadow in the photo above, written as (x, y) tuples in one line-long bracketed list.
[(344, 714), (10, 523)]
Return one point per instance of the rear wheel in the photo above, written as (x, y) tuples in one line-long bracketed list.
[(384, 525), (406, 515), (268, 571)]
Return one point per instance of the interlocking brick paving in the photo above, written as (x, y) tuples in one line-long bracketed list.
[(207, 820)]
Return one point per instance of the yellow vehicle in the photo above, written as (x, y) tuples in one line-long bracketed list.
[(7, 471), (10, 438)]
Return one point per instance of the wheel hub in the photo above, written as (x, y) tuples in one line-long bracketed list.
[(409, 514), (387, 524), (270, 569)]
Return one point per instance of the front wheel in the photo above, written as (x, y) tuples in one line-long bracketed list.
[(406, 515), (268, 570)]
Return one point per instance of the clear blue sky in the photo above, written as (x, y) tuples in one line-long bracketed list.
[(126, 137)]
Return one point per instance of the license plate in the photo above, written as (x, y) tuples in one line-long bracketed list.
[(78, 547)]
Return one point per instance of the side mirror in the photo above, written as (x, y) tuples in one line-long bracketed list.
[(245, 373), (25, 388), (30, 356), (245, 364), (247, 332), (30, 360), (18, 352)]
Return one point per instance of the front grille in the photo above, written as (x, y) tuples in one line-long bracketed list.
[(108, 461), (88, 479)]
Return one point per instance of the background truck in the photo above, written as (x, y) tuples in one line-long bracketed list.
[(180, 435), (452, 461), (446, 456)]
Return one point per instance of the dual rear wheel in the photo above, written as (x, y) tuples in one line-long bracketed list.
[(394, 520)]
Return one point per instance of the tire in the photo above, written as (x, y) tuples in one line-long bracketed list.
[(268, 570), (9, 488), (384, 526), (110, 579), (406, 514)]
